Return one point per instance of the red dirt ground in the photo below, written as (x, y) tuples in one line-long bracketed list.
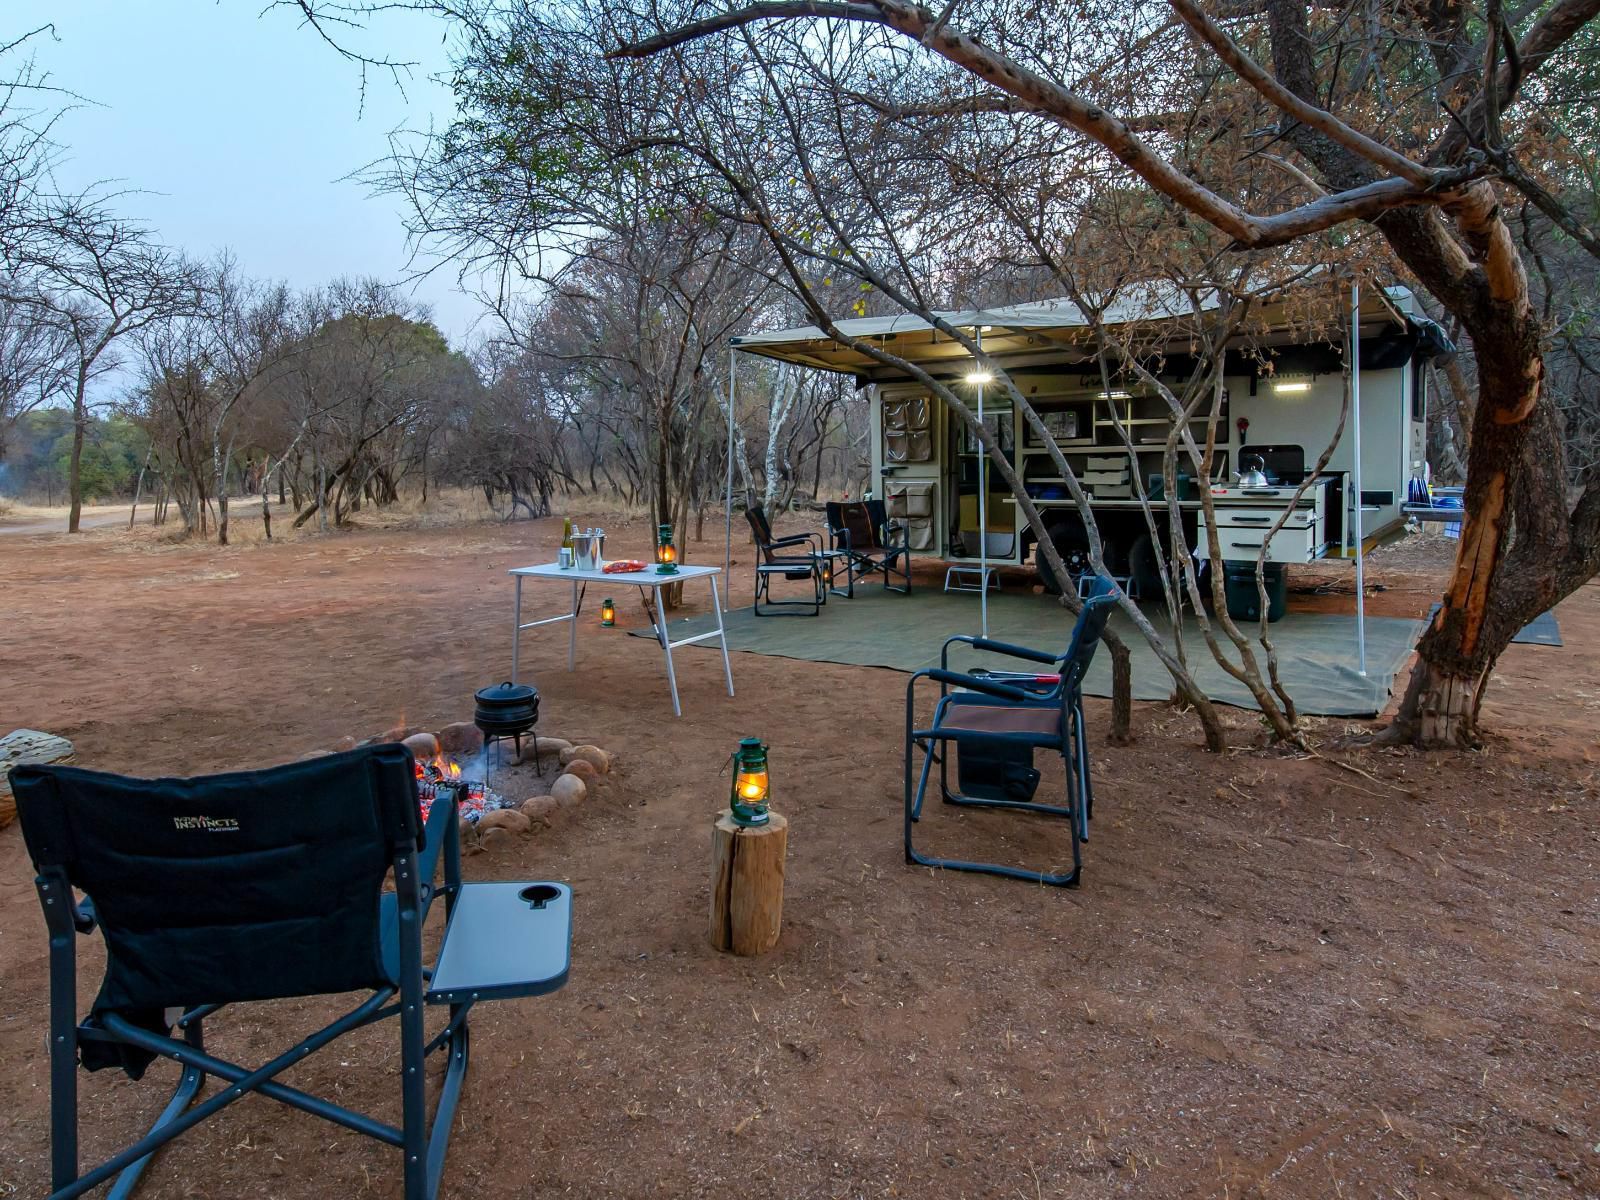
[(1282, 976)]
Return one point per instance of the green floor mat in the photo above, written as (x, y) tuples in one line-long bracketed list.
[(1316, 651)]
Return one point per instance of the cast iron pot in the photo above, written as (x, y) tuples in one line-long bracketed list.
[(506, 708)]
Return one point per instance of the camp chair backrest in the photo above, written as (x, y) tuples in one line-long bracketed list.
[(877, 518), (759, 525), (246, 886), (855, 519), (761, 529), (1086, 634)]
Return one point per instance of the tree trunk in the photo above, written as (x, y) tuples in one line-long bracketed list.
[(80, 420), (1514, 466), (1121, 733)]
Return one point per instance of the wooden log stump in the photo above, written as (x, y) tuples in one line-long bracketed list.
[(21, 747), (747, 883)]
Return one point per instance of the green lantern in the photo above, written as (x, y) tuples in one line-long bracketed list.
[(608, 612), (752, 786), (666, 552)]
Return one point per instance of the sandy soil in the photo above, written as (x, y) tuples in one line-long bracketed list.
[(1282, 976)]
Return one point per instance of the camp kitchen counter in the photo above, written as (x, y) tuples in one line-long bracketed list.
[(1245, 515), (645, 579)]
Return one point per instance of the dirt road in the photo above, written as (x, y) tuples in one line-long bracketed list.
[(93, 519)]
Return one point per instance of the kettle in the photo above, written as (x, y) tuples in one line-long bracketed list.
[(1252, 473)]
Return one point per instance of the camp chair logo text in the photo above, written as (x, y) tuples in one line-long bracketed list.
[(208, 824)]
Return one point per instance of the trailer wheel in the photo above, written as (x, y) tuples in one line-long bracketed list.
[(1072, 543)]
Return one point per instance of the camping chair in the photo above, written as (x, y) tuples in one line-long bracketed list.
[(773, 562), (871, 544), (263, 885), (997, 721)]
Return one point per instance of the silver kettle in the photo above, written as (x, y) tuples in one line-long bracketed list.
[(1251, 474)]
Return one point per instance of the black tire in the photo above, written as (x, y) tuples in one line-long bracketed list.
[(1143, 568), (1072, 543)]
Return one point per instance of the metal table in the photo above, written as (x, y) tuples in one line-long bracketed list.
[(644, 579)]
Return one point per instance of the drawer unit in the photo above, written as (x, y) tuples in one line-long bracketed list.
[(1296, 542)]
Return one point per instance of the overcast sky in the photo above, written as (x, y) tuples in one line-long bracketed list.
[(240, 127)]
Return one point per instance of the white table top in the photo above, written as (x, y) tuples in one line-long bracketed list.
[(644, 578)]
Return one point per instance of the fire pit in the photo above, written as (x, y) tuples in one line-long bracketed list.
[(507, 710), (473, 796)]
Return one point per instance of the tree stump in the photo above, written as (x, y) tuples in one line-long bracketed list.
[(25, 746), (747, 883)]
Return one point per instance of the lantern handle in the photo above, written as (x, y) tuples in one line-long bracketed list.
[(729, 761)]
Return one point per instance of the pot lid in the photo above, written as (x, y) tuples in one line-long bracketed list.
[(506, 693)]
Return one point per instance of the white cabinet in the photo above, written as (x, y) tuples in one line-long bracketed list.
[(1246, 516), (1243, 542)]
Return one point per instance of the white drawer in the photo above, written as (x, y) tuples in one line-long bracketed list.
[(1260, 516), (1243, 543)]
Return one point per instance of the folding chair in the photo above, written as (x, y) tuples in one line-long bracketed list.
[(996, 721), (778, 558), (872, 544), (264, 885)]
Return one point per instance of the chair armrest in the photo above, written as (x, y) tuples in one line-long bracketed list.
[(794, 540), (988, 687)]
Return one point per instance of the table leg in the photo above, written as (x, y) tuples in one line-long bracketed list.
[(516, 630), (672, 678), (722, 634), (572, 632)]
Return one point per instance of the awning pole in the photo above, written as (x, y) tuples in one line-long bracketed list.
[(1355, 418), (983, 511), (727, 504)]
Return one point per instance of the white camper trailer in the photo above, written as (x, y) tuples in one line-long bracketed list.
[(927, 468)]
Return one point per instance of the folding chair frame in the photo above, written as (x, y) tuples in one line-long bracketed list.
[(1062, 690), (787, 566), (423, 1144), (891, 557)]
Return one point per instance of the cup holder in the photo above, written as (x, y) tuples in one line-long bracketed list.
[(537, 895)]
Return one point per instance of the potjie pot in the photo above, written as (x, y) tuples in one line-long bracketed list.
[(506, 709)]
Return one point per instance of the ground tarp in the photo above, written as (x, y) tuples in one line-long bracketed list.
[(1316, 652)]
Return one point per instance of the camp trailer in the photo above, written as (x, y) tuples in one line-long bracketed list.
[(926, 464)]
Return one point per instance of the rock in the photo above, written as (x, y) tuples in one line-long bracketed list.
[(504, 818), (462, 737), (539, 808), (422, 746), (598, 758), (343, 744), (534, 749), (492, 837), (568, 790), (398, 734), (584, 770)]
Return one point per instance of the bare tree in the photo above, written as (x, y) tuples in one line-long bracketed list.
[(97, 279)]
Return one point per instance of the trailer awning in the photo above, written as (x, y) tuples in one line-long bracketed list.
[(1017, 333)]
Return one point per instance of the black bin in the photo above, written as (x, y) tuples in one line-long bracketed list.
[(1244, 602)]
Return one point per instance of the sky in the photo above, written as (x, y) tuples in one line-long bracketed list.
[(238, 129)]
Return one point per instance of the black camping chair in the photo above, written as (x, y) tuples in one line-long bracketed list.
[(263, 885), (797, 558), (870, 543), (997, 722)]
